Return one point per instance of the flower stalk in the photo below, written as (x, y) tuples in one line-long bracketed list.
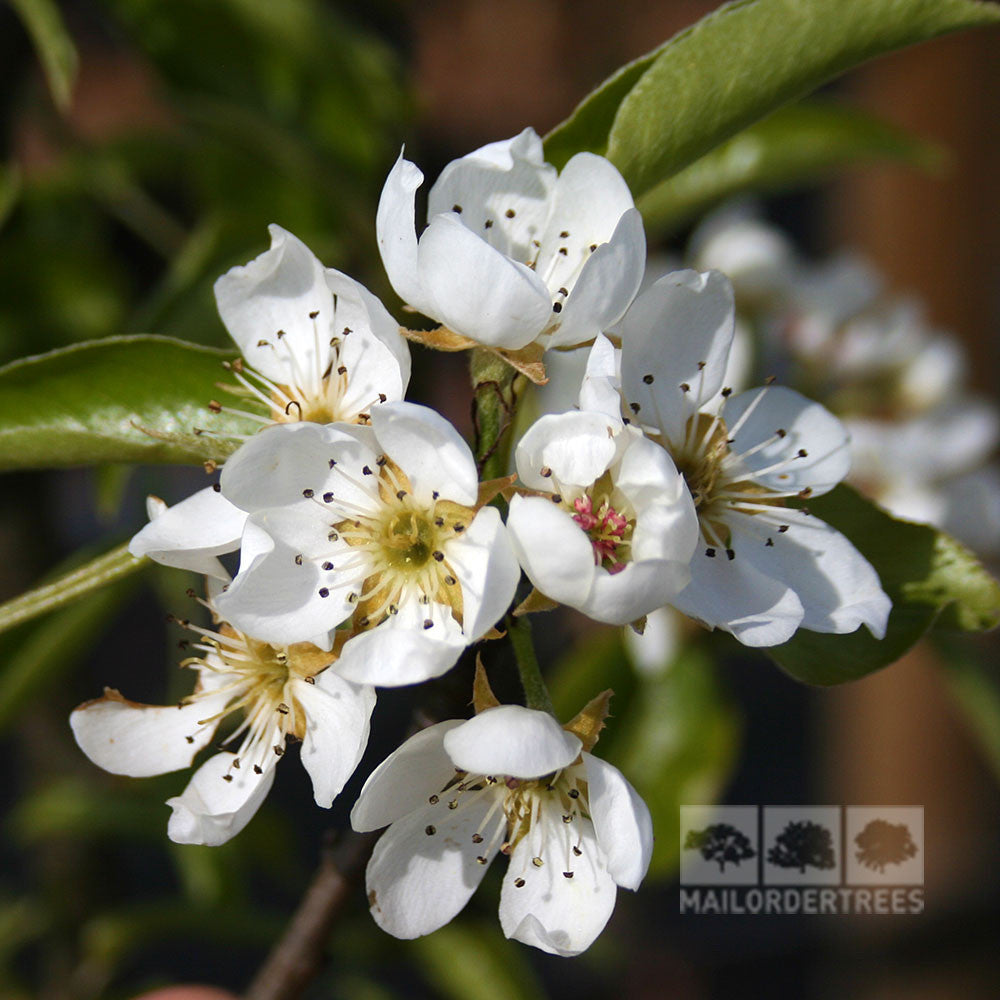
[(536, 694), (67, 588), (494, 401)]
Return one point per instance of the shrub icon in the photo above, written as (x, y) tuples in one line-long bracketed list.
[(721, 843), (803, 844), (883, 843)]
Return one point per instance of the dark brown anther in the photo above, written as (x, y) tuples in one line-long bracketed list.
[(298, 560), (283, 709), (685, 387), (648, 379), (366, 470), (488, 224), (710, 553), (324, 592), (509, 213), (545, 472), (257, 769), (216, 488), (519, 883), (400, 494), (557, 307), (328, 497), (457, 209), (430, 830), (328, 566), (477, 838), (437, 555), (314, 314), (428, 623), (308, 494), (227, 777), (730, 554)]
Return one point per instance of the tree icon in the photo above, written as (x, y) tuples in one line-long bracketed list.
[(801, 844), (883, 843), (721, 843)]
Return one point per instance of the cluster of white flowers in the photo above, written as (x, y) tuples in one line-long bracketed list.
[(367, 552), (922, 443)]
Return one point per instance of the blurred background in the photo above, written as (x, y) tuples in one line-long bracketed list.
[(191, 125)]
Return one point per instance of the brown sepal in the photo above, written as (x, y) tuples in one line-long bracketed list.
[(482, 694), (489, 489), (526, 360), (589, 721), (535, 601)]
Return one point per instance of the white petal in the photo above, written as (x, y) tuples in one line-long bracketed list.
[(277, 464), (507, 184), (337, 720), (552, 549), (600, 388), (405, 779), (476, 290), (511, 740), (560, 915), (401, 650), (190, 534), (576, 447), (647, 475), (429, 450), (212, 810), (396, 232), (418, 881), (807, 426), (590, 198), (279, 291), (622, 823), (838, 588), (483, 561), (678, 332), (276, 596), (641, 587), (606, 286), (136, 740), (733, 595), (374, 352)]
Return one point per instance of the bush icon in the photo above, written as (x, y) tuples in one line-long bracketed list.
[(721, 843), (883, 843), (803, 844)]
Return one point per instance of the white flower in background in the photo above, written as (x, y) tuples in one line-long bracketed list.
[(318, 345), (762, 568), (374, 525), (614, 533), (508, 780), (282, 692), (515, 252)]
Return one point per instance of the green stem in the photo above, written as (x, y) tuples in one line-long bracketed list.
[(495, 399), (536, 694), (97, 573)]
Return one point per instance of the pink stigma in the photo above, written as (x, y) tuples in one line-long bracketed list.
[(606, 529)]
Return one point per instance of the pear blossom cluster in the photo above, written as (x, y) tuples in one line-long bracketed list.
[(922, 443), (350, 544)]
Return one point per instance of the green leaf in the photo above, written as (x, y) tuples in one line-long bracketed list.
[(796, 145), (473, 961), (44, 23), (931, 578), (125, 399), (737, 65)]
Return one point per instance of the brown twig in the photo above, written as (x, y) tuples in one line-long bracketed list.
[(299, 955)]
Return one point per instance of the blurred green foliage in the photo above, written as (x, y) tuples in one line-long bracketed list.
[(230, 114)]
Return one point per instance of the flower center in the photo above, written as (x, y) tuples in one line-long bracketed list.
[(547, 812), (608, 530), (256, 677), (405, 544)]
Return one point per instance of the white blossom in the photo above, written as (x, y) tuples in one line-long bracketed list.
[(509, 780), (376, 527), (515, 252), (762, 568), (317, 344), (614, 531), (283, 693)]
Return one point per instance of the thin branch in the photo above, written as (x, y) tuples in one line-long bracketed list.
[(536, 694), (300, 954)]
